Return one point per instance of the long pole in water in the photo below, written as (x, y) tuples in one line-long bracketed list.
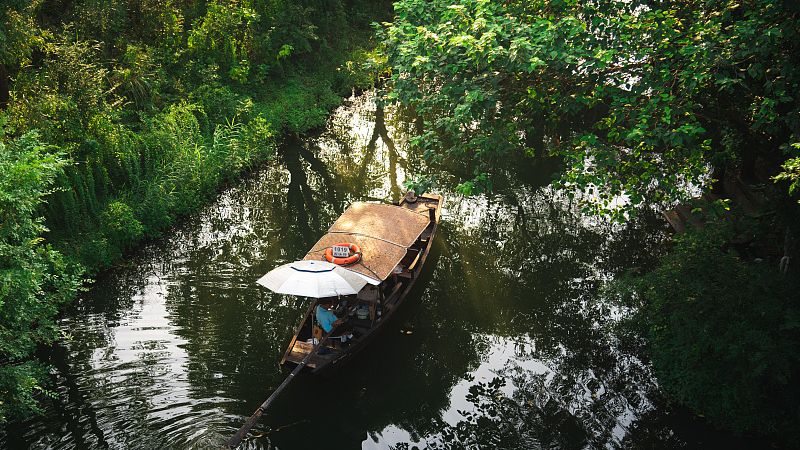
[(239, 435)]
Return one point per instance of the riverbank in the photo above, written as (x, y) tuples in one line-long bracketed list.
[(178, 125), (122, 120)]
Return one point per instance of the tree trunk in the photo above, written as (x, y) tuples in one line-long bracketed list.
[(4, 96)]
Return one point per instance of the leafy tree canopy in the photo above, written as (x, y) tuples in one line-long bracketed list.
[(637, 97)]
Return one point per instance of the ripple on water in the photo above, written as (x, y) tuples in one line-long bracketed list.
[(135, 389)]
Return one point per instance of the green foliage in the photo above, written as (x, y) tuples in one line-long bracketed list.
[(299, 106), (36, 280), (147, 121), (648, 89), (285, 51), (135, 79), (148, 179), (62, 98), (239, 71), (160, 23), (98, 20), (224, 34), (791, 172), (296, 31), (293, 37), (120, 224), (420, 183), (21, 385), (725, 332), (19, 33)]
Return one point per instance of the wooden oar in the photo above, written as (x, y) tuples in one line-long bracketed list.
[(239, 435)]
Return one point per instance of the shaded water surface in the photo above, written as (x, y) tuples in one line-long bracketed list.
[(502, 344)]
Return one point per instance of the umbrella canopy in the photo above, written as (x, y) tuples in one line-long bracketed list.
[(312, 279)]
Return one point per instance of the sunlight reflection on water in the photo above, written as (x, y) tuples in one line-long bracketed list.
[(179, 347)]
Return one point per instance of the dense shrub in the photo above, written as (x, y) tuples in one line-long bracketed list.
[(134, 185), (155, 118), (148, 109), (725, 333), (35, 280)]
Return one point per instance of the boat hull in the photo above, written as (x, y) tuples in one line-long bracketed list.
[(392, 290)]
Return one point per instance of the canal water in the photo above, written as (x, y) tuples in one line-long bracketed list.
[(503, 343)]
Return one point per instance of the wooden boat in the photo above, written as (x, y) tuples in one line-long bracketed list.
[(394, 241)]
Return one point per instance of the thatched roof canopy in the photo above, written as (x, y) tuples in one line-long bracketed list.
[(383, 232)]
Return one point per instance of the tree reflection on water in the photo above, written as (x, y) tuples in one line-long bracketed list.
[(502, 343)]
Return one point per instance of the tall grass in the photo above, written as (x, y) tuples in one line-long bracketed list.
[(147, 126), (127, 185), (155, 124)]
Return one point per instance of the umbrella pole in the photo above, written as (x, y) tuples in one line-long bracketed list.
[(239, 435)]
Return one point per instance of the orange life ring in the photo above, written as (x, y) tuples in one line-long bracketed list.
[(352, 259)]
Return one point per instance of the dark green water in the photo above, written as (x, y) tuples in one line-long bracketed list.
[(502, 344)]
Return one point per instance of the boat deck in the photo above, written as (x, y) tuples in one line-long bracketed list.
[(300, 349), (391, 293)]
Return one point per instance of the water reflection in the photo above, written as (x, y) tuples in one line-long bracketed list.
[(501, 344)]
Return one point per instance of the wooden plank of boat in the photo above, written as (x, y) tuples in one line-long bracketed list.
[(393, 287), (402, 245)]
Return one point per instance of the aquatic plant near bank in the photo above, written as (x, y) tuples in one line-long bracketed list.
[(130, 185)]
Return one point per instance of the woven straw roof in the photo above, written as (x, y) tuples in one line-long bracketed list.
[(383, 232)]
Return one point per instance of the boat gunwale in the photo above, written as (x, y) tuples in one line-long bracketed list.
[(392, 300)]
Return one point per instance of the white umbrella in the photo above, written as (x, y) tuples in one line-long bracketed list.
[(312, 279)]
